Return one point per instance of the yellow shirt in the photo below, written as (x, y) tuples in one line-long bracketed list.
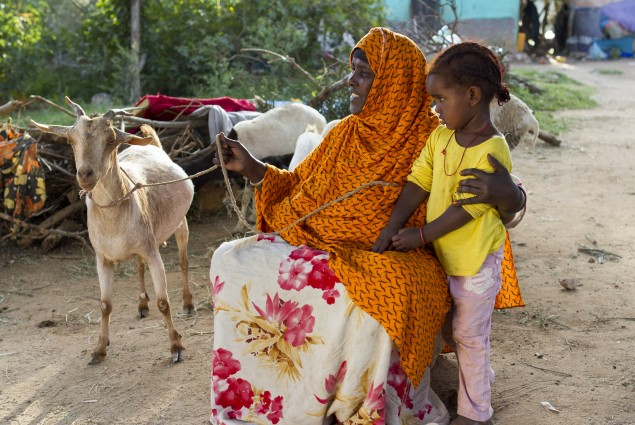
[(462, 251)]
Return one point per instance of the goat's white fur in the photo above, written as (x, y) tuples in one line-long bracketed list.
[(276, 131), (514, 119), (138, 225), (308, 141)]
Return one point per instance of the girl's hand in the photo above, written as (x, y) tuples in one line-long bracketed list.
[(407, 239)]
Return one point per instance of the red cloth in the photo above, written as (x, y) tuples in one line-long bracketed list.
[(162, 107)]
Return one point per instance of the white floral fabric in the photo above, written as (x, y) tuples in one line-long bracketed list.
[(290, 347)]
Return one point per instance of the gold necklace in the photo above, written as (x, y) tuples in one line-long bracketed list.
[(462, 155)]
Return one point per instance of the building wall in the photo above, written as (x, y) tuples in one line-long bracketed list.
[(492, 22), (397, 10)]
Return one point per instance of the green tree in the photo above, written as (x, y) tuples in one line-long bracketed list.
[(24, 46), (189, 48)]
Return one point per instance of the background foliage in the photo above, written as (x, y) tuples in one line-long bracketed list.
[(190, 48), (193, 48)]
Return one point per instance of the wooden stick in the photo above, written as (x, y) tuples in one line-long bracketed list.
[(10, 106), (53, 104), (51, 221), (287, 59), (549, 138), (555, 372), (166, 124), (48, 231)]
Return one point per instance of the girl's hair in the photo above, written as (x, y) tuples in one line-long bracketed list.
[(472, 64)]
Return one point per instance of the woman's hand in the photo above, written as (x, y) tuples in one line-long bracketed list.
[(407, 239), (384, 241), (237, 158), (496, 188)]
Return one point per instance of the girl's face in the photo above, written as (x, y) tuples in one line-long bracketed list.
[(360, 80), (451, 103)]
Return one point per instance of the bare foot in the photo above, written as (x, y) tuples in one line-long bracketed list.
[(462, 420)]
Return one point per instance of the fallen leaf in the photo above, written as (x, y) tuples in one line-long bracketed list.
[(549, 406)]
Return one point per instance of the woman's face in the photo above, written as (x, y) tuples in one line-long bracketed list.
[(360, 80)]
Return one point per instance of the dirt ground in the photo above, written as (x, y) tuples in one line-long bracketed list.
[(570, 348)]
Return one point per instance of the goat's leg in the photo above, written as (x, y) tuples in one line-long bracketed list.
[(143, 295), (157, 271), (182, 235), (105, 271)]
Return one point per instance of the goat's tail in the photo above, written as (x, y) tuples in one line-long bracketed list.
[(146, 130)]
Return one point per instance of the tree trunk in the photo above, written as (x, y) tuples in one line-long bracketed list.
[(135, 48)]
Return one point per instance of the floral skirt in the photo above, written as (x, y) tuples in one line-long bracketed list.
[(290, 347)]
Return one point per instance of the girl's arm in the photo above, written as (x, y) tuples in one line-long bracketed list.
[(453, 218), (409, 200)]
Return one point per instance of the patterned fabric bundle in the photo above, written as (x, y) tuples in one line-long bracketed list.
[(21, 177)]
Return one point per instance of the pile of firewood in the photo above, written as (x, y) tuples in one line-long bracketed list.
[(63, 215)]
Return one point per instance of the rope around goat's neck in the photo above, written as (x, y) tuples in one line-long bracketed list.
[(232, 198)]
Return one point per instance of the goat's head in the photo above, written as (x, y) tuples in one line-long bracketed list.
[(94, 142)]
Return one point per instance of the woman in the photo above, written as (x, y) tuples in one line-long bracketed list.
[(310, 326)]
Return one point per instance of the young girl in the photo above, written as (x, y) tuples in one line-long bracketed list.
[(468, 239)]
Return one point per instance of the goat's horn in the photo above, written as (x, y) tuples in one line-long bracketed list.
[(59, 130), (78, 109)]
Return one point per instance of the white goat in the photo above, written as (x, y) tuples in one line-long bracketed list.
[(137, 225), (514, 119), (276, 131), (308, 141)]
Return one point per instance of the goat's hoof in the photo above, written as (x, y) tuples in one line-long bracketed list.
[(188, 309), (177, 357), (143, 312), (96, 359)]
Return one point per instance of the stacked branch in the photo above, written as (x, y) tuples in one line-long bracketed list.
[(63, 215)]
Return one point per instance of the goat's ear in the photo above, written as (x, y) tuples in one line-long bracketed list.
[(59, 130), (131, 139)]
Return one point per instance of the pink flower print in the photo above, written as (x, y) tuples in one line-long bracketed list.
[(397, 379), (422, 413), (266, 237), (330, 296), (223, 364), (299, 323), (272, 408), (276, 311), (304, 253), (264, 403), (321, 275), (375, 399), (276, 410), (239, 394), (332, 381), (293, 273), (216, 286)]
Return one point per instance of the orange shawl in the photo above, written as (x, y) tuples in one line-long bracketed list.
[(406, 292)]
